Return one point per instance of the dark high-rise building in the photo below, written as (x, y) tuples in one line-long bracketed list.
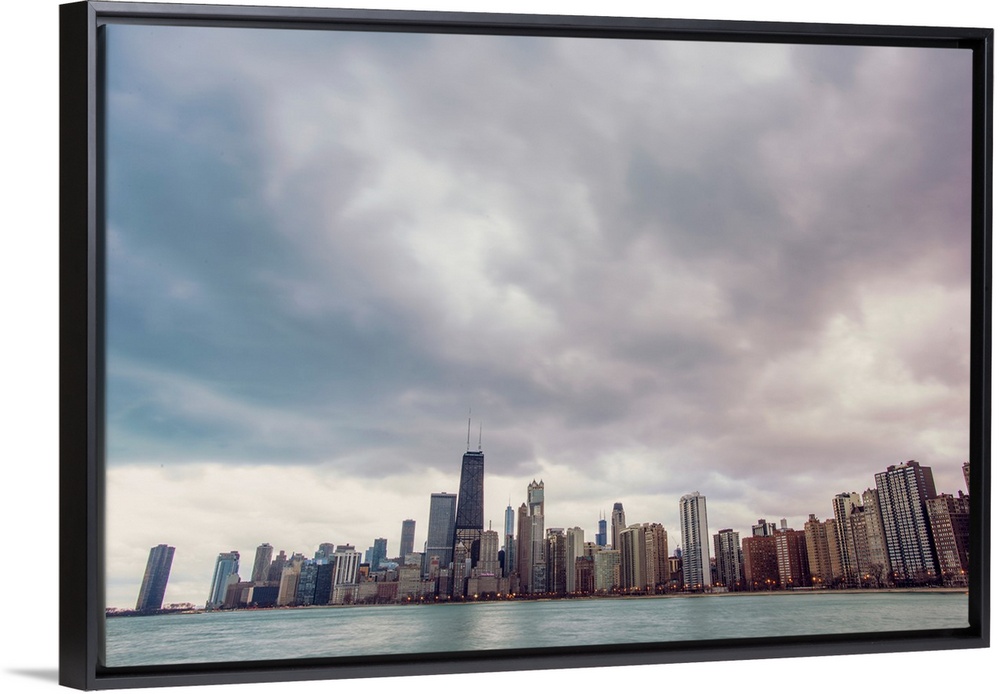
[(380, 549), (602, 532), (261, 563), (406, 538), (555, 561), (277, 566), (469, 512), (440, 530), (793, 558), (727, 558), (154, 581), (617, 524), (903, 491), (760, 562)]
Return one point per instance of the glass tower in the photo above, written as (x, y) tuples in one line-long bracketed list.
[(154, 581)]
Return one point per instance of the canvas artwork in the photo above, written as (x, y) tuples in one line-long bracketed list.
[(436, 342)]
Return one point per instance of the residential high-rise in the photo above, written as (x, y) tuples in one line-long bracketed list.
[(154, 580), (818, 552), (469, 512), (949, 519), (903, 491), (727, 558), (347, 561), (555, 561), (878, 555), (227, 567), (440, 530), (657, 555), (843, 504), (632, 544), (261, 563), (536, 511), (607, 570), (697, 565), (574, 549), (617, 524), (406, 538), (760, 562), (793, 558)]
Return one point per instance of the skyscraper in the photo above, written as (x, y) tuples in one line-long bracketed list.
[(949, 519), (469, 513), (440, 529), (523, 564), (903, 491), (727, 558), (602, 532), (843, 504), (489, 546), (380, 549), (227, 567), (509, 551), (261, 563), (632, 542), (617, 524), (536, 512), (406, 538), (574, 550), (154, 580), (555, 558), (697, 565)]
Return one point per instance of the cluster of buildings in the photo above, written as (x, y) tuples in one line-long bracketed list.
[(899, 533)]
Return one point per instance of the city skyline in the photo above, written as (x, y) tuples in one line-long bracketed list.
[(696, 537), (681, 302)]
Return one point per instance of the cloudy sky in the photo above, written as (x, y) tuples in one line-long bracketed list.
[(646, 268)]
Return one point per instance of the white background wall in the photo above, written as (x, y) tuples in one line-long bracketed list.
[(29, 379)]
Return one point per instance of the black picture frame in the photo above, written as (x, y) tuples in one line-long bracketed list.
[(81, 346)]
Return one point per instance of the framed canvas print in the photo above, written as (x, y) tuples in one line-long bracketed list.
[(420, 342)]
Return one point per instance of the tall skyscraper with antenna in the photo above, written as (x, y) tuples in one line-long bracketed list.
[(602, 531), (469, 514)]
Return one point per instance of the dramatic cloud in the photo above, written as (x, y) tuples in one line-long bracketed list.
[(648, 268)]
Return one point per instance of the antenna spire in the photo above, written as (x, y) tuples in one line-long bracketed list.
[(480, 437), (468, 435)]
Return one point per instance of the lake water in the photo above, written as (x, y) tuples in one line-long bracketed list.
[(393, 629)]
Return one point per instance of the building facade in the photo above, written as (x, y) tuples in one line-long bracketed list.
[(903, 491), (469, 511), (227, 567), (696, 564), (154, 580), (440, 529)]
